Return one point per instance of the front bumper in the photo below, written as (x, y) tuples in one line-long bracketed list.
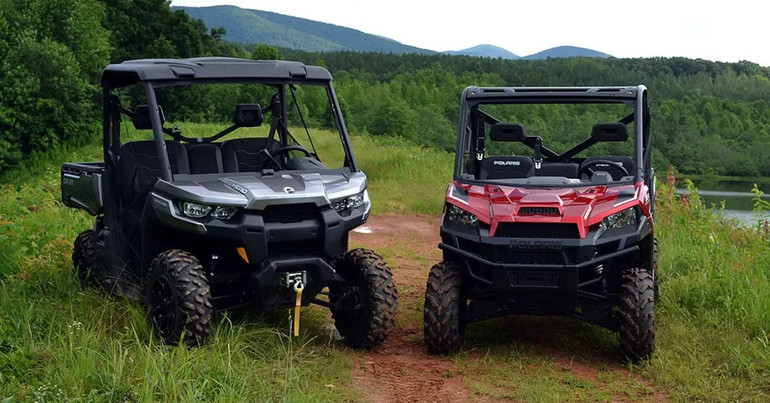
[(552, 276), (297, 239)]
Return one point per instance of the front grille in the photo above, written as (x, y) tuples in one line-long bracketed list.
[(541, 211), (536, 279), (293, 249), (512, 256), (536, 230), (286, 213)]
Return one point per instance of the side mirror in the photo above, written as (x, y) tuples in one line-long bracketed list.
[(247, 115), (141, 118), (612, 131), (507, 132)]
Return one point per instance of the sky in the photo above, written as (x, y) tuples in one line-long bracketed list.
[(718, 30)]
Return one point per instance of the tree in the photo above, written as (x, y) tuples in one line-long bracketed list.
[(264, 51), (51, 52)]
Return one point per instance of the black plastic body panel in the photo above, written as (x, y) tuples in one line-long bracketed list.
[(308, 246), (81, 186)]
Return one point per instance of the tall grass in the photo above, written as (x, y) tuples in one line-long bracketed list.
[(714, 316)]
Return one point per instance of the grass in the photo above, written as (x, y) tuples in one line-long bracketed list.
[(715, 309), (58, 343)]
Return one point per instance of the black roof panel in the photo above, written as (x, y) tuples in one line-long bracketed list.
[(209, 68), (552, 94)]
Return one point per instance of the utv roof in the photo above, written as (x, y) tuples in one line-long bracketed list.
[(554, 94), (210, 68)]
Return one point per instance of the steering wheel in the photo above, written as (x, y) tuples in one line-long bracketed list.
[(272, 158), (587, 169)]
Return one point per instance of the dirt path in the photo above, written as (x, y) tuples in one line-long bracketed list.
[(401, 370)]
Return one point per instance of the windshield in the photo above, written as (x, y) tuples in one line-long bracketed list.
[(227, 128), (548, 144)]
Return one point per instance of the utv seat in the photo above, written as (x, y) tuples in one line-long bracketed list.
[(205, 158), (506, 167), (138, 166), (565, 169), (245, 155), (626, 162)]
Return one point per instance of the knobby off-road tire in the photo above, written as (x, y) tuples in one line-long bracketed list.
[(655, 274), (178, 298), (88, 260), (637, 314), (373, 315), (445, 304)]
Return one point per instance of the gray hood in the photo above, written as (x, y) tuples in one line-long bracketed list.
[(256, 192)]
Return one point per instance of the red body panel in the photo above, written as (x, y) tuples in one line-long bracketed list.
[(584, 206)]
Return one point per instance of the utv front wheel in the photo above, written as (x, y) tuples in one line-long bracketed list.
[(179, 298), (445, 303), (364, 308), (637, 314), (88, 260)]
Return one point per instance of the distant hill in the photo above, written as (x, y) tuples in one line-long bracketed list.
[(485, 51), (565, 51), (255, 26), (284, 31)]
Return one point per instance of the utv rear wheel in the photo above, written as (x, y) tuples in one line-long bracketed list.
[(364, 309), (88, 260), (637, 314), (179, 298), (445, 303)]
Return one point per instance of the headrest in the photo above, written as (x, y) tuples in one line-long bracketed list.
[(507, 132)]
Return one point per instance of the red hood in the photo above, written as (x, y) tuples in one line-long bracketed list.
[(584, 206)]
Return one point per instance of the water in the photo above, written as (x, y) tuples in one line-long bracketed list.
[(735, 193)]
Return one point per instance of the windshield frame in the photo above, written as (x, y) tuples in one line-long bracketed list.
[(635, 96)]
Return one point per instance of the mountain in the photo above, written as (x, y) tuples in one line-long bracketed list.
[(284, 31), (566, 51), (256, 26), (485, 51)]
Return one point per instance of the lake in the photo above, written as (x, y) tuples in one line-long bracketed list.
[(735, 192)]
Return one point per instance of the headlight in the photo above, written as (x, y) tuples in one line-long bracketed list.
[(624, 218), (460, 216), (196, 210), (345, 205), (224, 212)]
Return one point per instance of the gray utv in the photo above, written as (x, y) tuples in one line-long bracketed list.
[(246, 217)]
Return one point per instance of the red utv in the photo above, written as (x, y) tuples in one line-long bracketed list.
[(531, 230)]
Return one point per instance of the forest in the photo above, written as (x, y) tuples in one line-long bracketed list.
[(708, 118)]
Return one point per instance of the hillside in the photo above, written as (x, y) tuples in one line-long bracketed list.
[(255, 26), (565, 51), (485, 51)]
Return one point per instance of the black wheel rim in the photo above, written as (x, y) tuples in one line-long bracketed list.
[(163, 307), (351, 300)]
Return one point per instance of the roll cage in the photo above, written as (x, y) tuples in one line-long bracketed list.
[(158, 73), (471, 135)]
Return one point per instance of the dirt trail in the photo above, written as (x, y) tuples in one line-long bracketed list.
[(401, 370)]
